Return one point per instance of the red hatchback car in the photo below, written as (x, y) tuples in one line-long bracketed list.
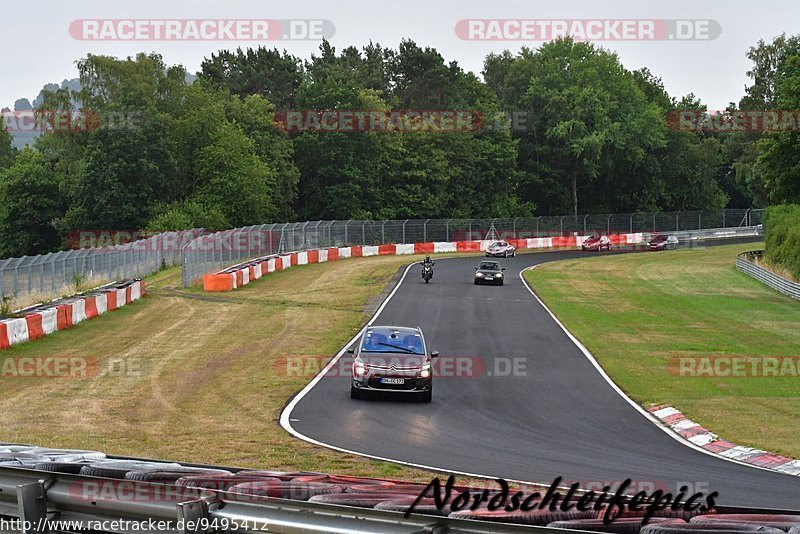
[(596, 242)]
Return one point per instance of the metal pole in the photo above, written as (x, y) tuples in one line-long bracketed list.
[(383, 232), (537, 225), (425, 231), (608, 225), (447, 231), (584, 224), (631, 225), (404, 230)]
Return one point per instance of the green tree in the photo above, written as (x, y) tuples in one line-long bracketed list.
[(31, 203), (126, 172), (6, 149), (779, 152), (587, 118)]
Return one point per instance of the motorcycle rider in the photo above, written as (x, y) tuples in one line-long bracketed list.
[(427, 262)]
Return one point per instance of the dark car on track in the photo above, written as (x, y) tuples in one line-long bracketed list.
[(392, 359), (596, 242), (501, 249), (489, 272), (663, 242)]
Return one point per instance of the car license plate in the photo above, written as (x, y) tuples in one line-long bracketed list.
[(490, 277), (396, 381)]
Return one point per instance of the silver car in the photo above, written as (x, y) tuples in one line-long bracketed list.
[(501, 249)]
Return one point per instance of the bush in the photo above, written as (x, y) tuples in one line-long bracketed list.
[(782, 236)]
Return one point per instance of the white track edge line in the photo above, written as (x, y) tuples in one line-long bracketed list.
[(659, 424)]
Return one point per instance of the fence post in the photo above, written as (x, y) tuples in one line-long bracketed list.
[(723, 218), (584, 224), (514, 227), (447, 231), (631, 224), (561, 223), (700, 220), (425, 231), (404, 230), (537, 225), (383, 232), (608, 224), (364, 233), (677, 224)]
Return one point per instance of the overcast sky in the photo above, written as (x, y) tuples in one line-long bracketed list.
[(38, 47)]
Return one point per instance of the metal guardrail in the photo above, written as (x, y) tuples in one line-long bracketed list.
[(745, 264), (33, 495), (213, 252)]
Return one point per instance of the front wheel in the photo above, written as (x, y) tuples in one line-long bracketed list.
[(354, 393), (427, 280)]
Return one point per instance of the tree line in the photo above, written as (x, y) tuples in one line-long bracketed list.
[(572, 130)]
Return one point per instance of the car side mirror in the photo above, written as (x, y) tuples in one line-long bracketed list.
[(503, 269), (434, 354), (351, 351), (476, 268)]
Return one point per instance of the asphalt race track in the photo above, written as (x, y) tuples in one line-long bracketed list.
[(560, 419)]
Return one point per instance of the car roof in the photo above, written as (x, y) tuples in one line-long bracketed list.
[(405, 329), (489, 262)]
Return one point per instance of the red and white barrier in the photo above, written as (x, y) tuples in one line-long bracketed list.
[(706, 439), (66, 314), (229, 280)]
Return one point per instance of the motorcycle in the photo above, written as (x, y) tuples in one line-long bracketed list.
[(427, 273)]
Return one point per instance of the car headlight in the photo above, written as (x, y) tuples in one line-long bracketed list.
[(425, 372), (499, 275), (359, 369), (478, 275)]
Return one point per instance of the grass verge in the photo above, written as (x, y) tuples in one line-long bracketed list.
[(188, 376), (638, 312)]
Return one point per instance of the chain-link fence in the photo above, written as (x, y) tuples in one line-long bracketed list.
[(211, 252), (48, 276)]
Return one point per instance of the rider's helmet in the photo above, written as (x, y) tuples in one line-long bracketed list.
[(427, 258)]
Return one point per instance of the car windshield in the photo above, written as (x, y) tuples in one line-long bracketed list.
[(659, 238), (498, 244), (489, 266), (393, 341)]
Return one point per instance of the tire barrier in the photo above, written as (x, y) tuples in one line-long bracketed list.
[(39, 321), (621, 525), (251, 487), (361, 500), (424, 506), (532, 517), (668, 513), (244, 273), (300, 491), (709, 441), (700, 528), (782, 521)]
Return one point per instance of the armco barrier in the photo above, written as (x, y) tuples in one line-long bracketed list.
[(244, 273), (745, 264), (40, 321)]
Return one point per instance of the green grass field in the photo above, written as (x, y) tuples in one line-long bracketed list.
[(638, 312)]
